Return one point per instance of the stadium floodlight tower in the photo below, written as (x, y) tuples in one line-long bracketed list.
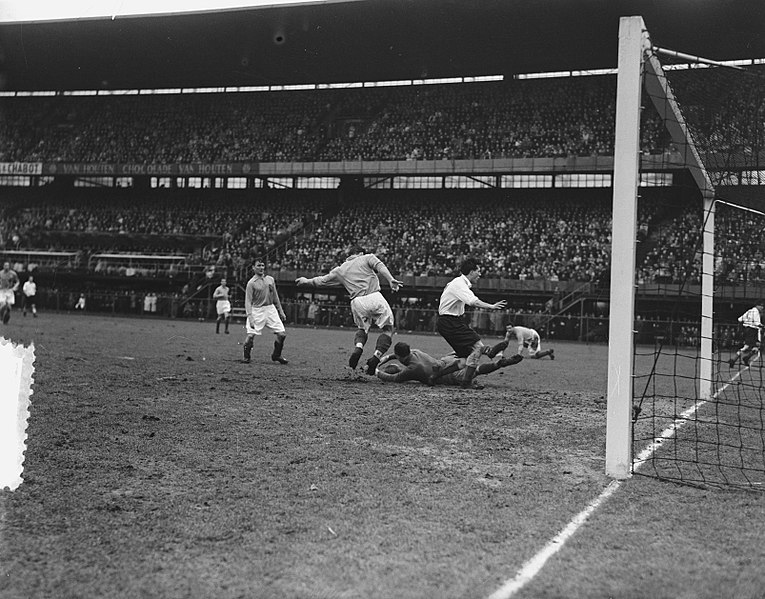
[(639, 69)]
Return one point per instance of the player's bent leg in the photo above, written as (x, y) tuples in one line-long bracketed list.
[(276, 356), (359, 341), (383, 344), (492, 351), (472, 364), (248, 348)]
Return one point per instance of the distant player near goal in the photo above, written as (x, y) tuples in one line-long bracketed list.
[(359, 274), (528, 340), (264, 310), (29, 301), (222, 306), (9, 283), (751, 322), (417, 365)]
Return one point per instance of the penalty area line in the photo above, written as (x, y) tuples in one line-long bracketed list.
[(533, 566)]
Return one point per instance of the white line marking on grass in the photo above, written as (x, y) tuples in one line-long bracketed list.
[(532, 567)]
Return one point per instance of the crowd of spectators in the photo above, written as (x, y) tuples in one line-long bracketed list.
[(536, 118), (522, 239)]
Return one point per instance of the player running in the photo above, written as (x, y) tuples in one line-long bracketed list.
[(9, 283), (417, 365), (359, 274)]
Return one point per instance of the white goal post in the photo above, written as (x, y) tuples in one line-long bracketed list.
[(639, 68)]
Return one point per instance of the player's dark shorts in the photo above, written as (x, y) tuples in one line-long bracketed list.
[(457, 334), (751, 336)]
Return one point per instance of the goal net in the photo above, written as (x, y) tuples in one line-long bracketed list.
[(697, 409)]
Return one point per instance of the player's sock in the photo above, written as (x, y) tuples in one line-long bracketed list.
[(547, 352), (383, 344), (6, 314), (248, 349), (467, 379), (453, 367), (488, 367), (359, 340), (277, 355), (491, 352), (353, 361), (504, 361), (226, 321), (372, 364)]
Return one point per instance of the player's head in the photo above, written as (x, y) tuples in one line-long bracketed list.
[(470, 268), (6, 266), (223, 281), (355, 250), (401, 349), (259, 267), (31, 278)]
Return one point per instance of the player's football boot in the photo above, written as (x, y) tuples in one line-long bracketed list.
[(279, 359), (552, 354), (372, 365), (353, 361)]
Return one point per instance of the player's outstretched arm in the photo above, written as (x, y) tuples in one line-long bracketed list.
[(500, 305)]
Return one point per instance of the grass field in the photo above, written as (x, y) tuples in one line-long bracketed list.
[(159, 465)]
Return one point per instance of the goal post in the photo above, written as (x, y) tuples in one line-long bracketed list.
[(638, 69), (696, 251), (632, 45)]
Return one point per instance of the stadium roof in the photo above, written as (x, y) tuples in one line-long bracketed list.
[(362, 40)]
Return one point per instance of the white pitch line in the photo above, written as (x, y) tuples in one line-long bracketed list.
[(532, 567)]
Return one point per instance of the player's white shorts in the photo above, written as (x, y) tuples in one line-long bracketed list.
[(371, 309), (223, 307), (7, 297), (265, 316)]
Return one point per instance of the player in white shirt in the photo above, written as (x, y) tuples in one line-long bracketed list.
[(451, 324), (528, 340), (29, 289), (359, 274), (9, 283), (222, 306)]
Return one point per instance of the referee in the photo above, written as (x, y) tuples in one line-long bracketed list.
[(451, 324)]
